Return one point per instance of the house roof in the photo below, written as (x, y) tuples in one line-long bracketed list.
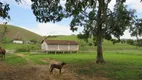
[(61, 42), (17, 39)]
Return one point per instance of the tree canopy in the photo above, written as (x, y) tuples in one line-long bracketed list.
[(98, 20), (4, 8), (136, 30)]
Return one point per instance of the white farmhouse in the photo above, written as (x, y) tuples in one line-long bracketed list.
[(59, 46)]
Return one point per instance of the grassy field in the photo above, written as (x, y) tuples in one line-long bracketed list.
[(107, 45), (123, 61), (11, 46), (120, 65)]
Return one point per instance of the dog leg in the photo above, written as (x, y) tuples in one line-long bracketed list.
[(60, 71), (51, 70)]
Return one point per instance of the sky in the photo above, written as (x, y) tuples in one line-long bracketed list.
[(22, 16)]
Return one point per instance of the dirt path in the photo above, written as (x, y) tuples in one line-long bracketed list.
[(34, 72), (66, 74), (38, 72)]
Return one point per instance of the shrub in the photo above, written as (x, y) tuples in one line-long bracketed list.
[(27, 48), (22, 49), (6, 40)]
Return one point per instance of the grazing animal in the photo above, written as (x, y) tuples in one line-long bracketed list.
[(2, 53), (57, 66)]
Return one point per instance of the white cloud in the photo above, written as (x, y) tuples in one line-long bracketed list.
[(45, 29), (24, 4), (135, 4), (111, 4), (127, 35), (62, 2), (8, 1), (55, 29)]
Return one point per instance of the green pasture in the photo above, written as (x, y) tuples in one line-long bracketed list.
[(83, 46), (123, 61), (120, 64), (11, 46)]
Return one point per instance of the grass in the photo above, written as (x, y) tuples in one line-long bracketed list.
[(107, 45), (14, 60), (116, 56), (11, 46), (120, 65), (123, 61)]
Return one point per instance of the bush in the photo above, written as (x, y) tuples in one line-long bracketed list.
[(6, 40), (22, 49), (130, 41), (27, 48)]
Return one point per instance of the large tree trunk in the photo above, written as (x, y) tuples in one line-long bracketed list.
[(99, 31), (99, 50)]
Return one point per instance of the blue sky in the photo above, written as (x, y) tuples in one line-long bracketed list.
[(22, 16)]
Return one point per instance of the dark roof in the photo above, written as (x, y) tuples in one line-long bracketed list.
[(61, 42), (17, 39)]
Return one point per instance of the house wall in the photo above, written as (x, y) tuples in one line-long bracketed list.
[(57, 47), (62, 48), (53, 48), (44, 46), (74, 47), (18, 41)]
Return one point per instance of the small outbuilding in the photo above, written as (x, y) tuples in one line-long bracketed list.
[(18, 41), (59, 46)]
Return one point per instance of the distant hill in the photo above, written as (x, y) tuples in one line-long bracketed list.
[(15, 32)]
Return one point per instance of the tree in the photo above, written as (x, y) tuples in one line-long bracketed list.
[(4, 10), (98, 20), (3, 34), (4, 14), (136, 30)]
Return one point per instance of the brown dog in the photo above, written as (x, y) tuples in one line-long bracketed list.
[(57, 66)]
